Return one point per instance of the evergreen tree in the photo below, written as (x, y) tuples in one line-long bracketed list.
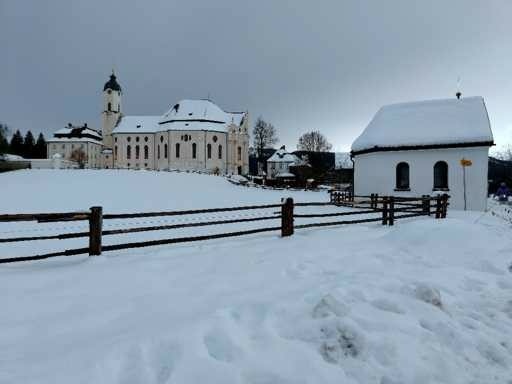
[(29, 145), (4, 144), (16, 146), (40, 148)]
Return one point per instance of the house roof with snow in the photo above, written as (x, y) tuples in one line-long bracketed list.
[(76, 133), (187, 115), (281, 156), (427, 124)]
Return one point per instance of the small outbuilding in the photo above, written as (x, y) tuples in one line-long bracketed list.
[(426, 148)]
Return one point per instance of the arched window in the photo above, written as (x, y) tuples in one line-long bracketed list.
[(165, 151), (109, 106), (220, 152), (158, 151), (128, 152), (177, 150), (146, 152), (239, 150), (194, 150), (209, 150), (441, 175), (402, 176), (137, 152), (115, 152)]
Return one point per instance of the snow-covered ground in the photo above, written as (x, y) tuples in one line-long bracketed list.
[(425, 301)]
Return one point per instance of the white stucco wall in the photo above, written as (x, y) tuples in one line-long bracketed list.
[(65, 148), (376, 173), (229, 162)]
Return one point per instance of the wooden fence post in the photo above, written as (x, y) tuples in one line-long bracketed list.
[(95, 228), (287, 217), (438, 206), (426, 205), (384, 211), (444, 206), (391, 215)]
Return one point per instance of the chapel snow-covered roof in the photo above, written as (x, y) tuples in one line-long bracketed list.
[(187, 115), (430, 123)]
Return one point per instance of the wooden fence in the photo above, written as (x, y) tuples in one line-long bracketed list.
[(384, 209)]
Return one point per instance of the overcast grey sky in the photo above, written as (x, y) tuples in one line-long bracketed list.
[(302, 65)]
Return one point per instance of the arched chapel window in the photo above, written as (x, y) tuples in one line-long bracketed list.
[(109, 106), (137, 152), (220, 152), (146, 152), (165, 151), (128, 152), (177, 150), (441, 175), (194, 150), (209, 150), (402, 176), (239, 150)]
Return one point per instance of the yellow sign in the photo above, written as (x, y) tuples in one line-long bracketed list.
[(466, 162)]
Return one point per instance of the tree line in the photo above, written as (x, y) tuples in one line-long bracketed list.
[(27, 146)]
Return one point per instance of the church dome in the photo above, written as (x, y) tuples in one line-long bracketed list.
[(112, 84)]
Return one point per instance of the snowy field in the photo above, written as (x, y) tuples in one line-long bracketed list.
[(425, 301)]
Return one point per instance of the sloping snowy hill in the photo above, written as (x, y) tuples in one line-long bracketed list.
[(424, 301)]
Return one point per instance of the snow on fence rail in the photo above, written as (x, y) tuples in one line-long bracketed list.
[(388, 209)]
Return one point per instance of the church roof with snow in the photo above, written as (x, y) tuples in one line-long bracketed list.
[(187, 115), (427, 124)]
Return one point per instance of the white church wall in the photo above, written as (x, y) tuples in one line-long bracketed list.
[(376, 173)]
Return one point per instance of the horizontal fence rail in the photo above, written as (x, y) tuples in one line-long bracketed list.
[(372, 208)]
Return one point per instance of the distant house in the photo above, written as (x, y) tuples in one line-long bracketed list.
[(254, 168), (68, 139), (418, 148), (278, 165)]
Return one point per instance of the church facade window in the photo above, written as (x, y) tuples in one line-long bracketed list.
[(129, 152), (109, 106), (158, 152), (220, 152), (177, 150), (194, 150), (209, 150), (239, 153), (137, 152), (165, 151), (146, 152)]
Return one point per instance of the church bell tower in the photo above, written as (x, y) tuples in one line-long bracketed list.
[(111, 109)]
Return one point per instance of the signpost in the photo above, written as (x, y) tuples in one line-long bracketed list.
[(465, 163)]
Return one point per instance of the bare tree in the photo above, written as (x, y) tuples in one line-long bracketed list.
[(263, 136), (505, 154), (314, 141), (79, 156)]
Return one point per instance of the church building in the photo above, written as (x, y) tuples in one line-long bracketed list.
[(193, 135)]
